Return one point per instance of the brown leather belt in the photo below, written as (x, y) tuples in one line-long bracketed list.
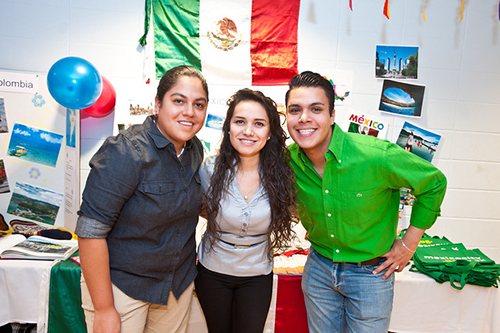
[(371, 262)]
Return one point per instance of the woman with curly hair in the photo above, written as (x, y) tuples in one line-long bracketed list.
[(250, 197)]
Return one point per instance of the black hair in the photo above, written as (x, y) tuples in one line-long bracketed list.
[(169, 79), (277, 176), (311, 79)]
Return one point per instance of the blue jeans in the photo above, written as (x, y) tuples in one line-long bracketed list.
[(341, 295)]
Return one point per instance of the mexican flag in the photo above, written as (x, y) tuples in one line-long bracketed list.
[(240, 42)]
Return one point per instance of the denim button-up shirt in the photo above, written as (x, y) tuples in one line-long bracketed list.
[(145, 202)]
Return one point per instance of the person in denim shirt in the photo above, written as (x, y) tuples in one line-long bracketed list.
[(348, 189), (140, 208)]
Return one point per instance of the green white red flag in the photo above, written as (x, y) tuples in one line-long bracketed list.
[(240, 42)]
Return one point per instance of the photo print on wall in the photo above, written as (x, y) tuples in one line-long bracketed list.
[(418, 141), (35, 145), (366, 124), (3, 117), (402, 98), (35, 203), (397, 62), (4, 182)]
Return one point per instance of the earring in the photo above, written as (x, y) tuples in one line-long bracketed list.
[(268, 137)]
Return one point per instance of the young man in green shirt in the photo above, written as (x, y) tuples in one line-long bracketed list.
[(348, 201)]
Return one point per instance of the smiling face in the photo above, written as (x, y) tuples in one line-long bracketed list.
[(182, 110), (308, 119), (249, 128)]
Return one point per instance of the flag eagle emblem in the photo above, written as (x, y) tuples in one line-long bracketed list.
[(224, 35)]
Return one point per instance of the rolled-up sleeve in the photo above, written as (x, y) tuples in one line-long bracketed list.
[(87, 227), (426, 182), (114, 176)]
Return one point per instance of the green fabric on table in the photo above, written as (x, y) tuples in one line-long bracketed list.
[(456, 264), (65, 300)]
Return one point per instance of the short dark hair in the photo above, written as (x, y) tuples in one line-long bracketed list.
[(311, 79), (169, 79)]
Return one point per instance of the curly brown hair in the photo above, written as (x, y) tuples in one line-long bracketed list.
[(277, 176)]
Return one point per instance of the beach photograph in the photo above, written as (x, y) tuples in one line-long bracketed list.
[(35, 145), (418, 141)]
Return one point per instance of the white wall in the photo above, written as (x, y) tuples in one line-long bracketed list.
[(458, 63)]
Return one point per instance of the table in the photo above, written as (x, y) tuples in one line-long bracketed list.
[(420, 303), (20, 285), (423, 305)]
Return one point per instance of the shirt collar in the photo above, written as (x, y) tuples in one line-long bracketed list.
[(336, 143), (158, 138), (335, 147)]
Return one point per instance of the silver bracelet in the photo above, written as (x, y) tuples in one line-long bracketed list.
[(404, 245)]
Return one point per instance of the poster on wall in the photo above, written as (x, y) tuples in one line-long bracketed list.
[(70, 128), (35, 145), (397, 62), (139, 103), (366, 124), (35, 203), (3, 117), (19, 82), (4, 182), (140, 107), (214, 121), (211, 133), (341, 81), (403, 99), (418, 141), (72, 169), (33, 131)]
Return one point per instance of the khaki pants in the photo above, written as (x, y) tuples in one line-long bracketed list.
[(138, 316)]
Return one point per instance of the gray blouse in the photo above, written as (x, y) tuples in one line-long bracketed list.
[(242, 249)]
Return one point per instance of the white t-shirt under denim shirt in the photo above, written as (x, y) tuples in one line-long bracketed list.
[(242, 225)]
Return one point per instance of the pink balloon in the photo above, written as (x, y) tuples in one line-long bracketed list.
[(105, 104)]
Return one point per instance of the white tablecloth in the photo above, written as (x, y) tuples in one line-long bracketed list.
[(423, 305), (20, 282), (420, 303)]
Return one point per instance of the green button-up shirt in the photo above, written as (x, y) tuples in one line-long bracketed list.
[(351, 214)]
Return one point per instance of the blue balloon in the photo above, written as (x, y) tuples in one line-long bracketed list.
[(74, 83)]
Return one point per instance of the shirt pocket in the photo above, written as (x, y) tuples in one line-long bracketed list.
[(157, 188), (155, 198), (360, 207)]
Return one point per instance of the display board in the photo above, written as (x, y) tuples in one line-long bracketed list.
[(35, 160)]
